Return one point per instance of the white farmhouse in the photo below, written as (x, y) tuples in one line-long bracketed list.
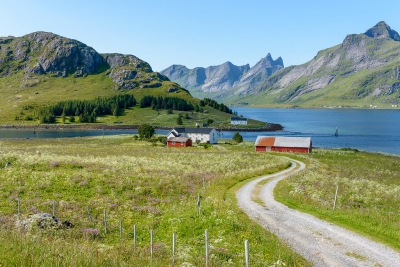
[(204, 135), (238, 120)]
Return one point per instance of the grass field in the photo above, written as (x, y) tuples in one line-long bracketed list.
[(138, 183), (368, 199)]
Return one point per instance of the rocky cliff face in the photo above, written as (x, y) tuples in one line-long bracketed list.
[(47, 53), (363, 68), (224, 80)]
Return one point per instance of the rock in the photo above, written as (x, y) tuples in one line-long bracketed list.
[(42, 221), (382, 30), (171, 90), (42, 53), (67, 225)]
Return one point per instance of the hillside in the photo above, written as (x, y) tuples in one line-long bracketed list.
[(41, 69), (363, 70), (223, 81)]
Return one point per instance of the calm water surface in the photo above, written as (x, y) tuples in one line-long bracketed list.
[(363, 129)]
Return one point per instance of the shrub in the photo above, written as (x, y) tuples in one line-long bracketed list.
[(237, 137)]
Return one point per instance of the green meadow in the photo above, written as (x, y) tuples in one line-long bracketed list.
[(368, 199), (137, 183)]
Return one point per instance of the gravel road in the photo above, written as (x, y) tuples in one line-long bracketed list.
[(320, 242)]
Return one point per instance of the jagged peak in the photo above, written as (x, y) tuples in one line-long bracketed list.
[(382, 30), (268, 60)]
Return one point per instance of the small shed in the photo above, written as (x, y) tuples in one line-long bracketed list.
[(179, 142), (283, 144)]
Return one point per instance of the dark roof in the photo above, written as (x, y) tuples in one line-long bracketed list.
[(178, 139), (174, 134), (194, 130), (238, 119)]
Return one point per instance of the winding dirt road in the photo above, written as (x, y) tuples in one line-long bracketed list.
[(320, 242)]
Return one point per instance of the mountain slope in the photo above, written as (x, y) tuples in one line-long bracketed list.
[(364, 70), (224, 80), (42, 68)]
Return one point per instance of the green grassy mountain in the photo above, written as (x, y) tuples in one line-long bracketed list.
[(41, 69), (363, 70)]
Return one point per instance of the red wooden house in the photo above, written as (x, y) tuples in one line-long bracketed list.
[(283, 144), (179, 142)]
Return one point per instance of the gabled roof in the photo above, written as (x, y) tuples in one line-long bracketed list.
[(238, 119), (265, 141), (283, 141), (194, 130), (174, 133), (178, 139)]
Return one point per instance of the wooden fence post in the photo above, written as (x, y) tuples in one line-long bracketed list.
[(151, 244), (19, 207), (206, 237), (134, 236), (173, 248), (105, 221), (90, 215), (334, 202), (246, 251), (198, 204), (120, 230), (54, 208)]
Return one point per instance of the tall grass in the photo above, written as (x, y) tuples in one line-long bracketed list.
[(368, 196), (152, 187)]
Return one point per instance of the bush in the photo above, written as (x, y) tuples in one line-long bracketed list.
[(237, 137), (145, 131), (162, 139)]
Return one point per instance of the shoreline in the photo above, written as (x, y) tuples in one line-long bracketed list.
[(271, 127)]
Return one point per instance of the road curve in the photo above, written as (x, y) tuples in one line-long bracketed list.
[(320, 242)]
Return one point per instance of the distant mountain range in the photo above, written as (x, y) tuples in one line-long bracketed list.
[(363, 70), (224, 80)]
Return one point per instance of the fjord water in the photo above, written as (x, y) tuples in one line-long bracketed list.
[(364, 129), (373, 130)]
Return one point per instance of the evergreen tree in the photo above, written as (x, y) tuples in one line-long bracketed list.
[(237, 137), (179, 120)]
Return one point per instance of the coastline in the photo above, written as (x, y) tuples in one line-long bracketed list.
[(270, 127)]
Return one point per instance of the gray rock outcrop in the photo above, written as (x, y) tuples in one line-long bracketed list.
[(41, 53)]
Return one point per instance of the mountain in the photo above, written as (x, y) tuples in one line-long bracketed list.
[(42, 68), (41, 53), (224, 80), (363, 70)]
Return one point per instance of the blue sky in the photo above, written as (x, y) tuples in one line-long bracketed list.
[(201, 33)]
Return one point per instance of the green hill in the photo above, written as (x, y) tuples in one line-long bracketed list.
[(41, 69)]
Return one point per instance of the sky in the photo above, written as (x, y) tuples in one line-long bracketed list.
[(202, 33)]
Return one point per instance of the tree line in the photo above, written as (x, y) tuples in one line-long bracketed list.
[(89, 110), (215, 104)]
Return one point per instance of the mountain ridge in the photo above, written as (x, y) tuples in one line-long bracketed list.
[(363, 70), (227, 78)]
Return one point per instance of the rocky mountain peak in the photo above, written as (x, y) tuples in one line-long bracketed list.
[(382, 31)]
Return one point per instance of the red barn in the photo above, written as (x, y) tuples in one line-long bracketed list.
[(179, 142), (283, 144)]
